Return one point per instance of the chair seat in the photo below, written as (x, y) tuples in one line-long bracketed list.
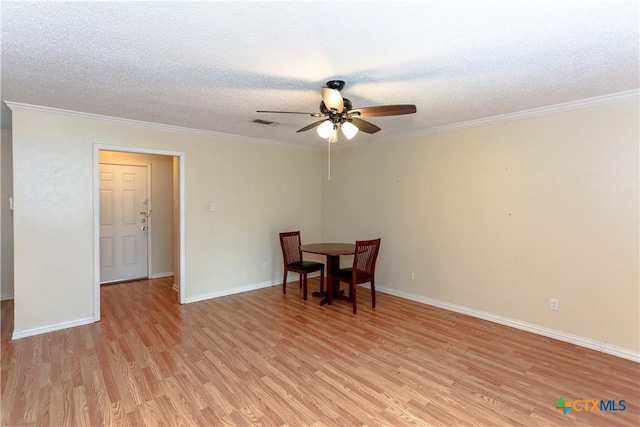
[(293, 261), (347, 273), (307, 266)]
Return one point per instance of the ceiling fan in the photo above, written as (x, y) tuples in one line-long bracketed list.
[(338, 113)]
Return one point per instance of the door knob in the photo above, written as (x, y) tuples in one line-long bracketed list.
[(143, 228)]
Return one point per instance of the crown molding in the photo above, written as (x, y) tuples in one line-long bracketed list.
[(519, 115), (147, 125), (535, 112), (525, 114)]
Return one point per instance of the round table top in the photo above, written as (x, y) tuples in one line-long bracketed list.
[(330, 248)]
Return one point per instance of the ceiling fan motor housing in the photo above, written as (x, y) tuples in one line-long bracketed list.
[(334, 116)]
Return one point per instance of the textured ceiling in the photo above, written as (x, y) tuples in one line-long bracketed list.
[(211, 65)]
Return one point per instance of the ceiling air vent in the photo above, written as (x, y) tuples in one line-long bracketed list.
[(263, 122)]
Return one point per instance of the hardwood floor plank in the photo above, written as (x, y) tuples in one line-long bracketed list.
[(277, 411), (293, 398), (264, 358), (80, 413)]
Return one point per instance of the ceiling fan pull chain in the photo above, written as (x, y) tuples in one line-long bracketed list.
[(328, 160)]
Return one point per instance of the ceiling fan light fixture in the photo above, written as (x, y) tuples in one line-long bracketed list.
[(325, 129), (349, 130)]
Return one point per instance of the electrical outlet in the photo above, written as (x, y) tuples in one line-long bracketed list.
[(265, 265), (553, 304), (411, 275)]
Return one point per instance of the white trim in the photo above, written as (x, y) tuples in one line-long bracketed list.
[(518, 115), (534, 112), (96, 216), (517, 324), (275, 282), (183, 245), (6, 297), (51, 328), (96, 233), (161, 275), (148, 125), (202, 297)]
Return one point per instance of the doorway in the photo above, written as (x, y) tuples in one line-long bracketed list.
[(176, 251)]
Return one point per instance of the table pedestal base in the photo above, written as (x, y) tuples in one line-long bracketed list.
[(332, 251), (338, 296)]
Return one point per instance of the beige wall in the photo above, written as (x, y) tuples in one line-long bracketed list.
[(502, 218), (498, 218), (6, 217), (161, 220), (259, 190)]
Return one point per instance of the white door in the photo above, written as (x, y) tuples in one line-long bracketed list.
[(124, 215)]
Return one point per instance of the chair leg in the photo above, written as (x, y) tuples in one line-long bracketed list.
[(353, 297), (284, 281), (373, 294), (322, 280), (304, 286)]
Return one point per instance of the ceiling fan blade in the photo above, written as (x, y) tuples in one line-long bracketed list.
[(290, 112), (365, 126), (312, 125), (384, 110), (332, 99)]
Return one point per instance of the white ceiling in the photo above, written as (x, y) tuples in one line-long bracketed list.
[(211, 65)]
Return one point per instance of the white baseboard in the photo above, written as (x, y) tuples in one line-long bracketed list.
[(160, 275), (224, 293), (524, 326), (276, 282), (547, 332), (6, 297), (51, 328)]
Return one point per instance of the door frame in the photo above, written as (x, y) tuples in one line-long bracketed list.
[(96, 218), (147, 167)]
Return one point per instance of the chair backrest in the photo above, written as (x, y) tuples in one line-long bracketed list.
[(290, 244), (364, 260)]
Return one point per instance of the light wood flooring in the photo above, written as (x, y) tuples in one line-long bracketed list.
[(263, 358)]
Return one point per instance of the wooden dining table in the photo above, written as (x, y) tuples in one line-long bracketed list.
[(332, 251)]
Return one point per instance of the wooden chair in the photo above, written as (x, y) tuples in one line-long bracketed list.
[(292, 256), (363, 271)]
